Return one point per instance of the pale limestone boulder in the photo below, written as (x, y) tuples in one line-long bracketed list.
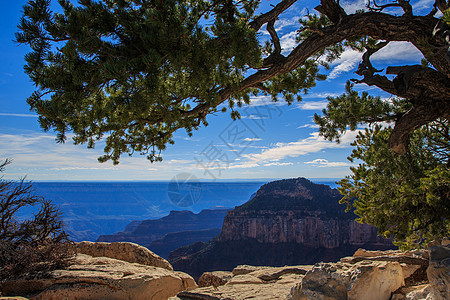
[(375, 281), (414, 263), (215, 278), (438, 272), (102, 278), (368, 280), (125, 251), (369, 253)]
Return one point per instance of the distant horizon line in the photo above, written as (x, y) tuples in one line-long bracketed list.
[(202, 180)]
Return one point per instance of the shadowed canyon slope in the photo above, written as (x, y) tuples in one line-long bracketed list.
[(147, 231)]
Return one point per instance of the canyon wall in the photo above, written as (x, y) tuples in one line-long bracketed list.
[(288, 226)]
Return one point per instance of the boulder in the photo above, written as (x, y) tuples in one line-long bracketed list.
[(215, 278), (101, 278), (125, 251), (439, 272), (368, 253), (367, 280), (414, 263)]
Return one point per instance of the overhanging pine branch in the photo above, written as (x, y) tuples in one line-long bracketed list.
[(271, 15)]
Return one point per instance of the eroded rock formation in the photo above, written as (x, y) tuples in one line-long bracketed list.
[(128, 252)]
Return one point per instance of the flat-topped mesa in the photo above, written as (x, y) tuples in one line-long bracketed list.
[(300, 211), (299, 195)]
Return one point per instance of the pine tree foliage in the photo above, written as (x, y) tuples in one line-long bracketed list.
[(405, 196), (132, 72), (136, 71)]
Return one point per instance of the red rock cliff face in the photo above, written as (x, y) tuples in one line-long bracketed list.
[(291, 226)]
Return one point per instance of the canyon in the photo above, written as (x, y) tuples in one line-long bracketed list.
[(287, 222), (178, 229)]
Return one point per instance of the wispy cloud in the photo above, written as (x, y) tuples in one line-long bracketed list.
[(322, 163), (288, 42), (425, 5), (252, 139), (264, 100), (314, 126), (312, 105), (278, 164), (348, 61), (312, 144), (19, 115), (351, 7), (394, 52), (39, 156), (322, 95)]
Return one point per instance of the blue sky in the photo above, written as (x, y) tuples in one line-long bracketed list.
[(272, 140)]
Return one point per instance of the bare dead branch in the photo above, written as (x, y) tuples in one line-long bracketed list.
[(403, 4)]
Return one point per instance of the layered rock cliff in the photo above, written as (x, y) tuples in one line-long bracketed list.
[(291, 221), (298, 211)]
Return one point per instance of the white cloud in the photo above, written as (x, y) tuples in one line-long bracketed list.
[(19, 115), (426, 5), (314, 126), (397, 51), (252, 139), (262, 100), (288, 42), (321, 162), (394, 52), (278, 164), (312, 144), (348, 61), (322, 95), (254, 117), (351, 7), (313, 105), (280, 24)]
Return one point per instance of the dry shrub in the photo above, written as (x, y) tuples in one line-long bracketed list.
[(38, 244)]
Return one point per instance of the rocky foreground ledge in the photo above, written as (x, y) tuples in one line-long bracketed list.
[(367, 275), (134, 272), (110, 271)]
